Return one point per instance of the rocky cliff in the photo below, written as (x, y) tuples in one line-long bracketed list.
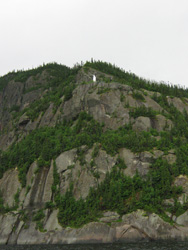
[(115, 149)]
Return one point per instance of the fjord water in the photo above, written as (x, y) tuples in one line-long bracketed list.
[(159, 245)]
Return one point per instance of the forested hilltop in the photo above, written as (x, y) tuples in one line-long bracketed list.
[(75, 151)]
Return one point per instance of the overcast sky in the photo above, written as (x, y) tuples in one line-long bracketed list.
[(146, 37)]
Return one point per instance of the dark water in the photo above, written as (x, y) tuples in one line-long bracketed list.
[(126, 246)]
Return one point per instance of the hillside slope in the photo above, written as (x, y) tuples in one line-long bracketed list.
[(84, 161)]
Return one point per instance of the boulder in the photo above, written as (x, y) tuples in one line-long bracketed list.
[(142, 124), (183, 219), (171, 158), (150, 103), (178, 103), (182, 180), (161, 123)]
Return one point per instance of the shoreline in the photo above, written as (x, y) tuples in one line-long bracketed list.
[(135, 227)]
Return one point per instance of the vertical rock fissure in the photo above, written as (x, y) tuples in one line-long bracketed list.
[(38, 188)]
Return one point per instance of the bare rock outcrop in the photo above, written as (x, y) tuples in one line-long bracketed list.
[(7, 223), (9, 186), (83, 174), (110, 103), (135, 162), (142, 124), (178, 103)]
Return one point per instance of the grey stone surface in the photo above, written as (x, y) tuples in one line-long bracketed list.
[(66, 159), (183, 219), (171, 158), (9, 186), (109, 217), (109, 103), (47, 117), (142, 124), (6, 226), (38, 187), (182, 180), (178, 103), (161, 123), (134, 163), (52, 222), (151, 225)]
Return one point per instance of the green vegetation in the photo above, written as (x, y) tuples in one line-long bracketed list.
[(47, 143), (143, 111), (138, 96), (122, 194), (61, 83), (117, 192), (122, 98), (55, 70), (38, 218), (103, 90), (2, 207), (5, 79), (56, 178), (137, 82), (5, 208)]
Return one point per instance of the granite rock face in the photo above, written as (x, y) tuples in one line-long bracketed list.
[(108, 102), (136, 226), (133, 227), (9, 186), (111, 104)]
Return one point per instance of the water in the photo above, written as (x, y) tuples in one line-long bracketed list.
[(164, 245)]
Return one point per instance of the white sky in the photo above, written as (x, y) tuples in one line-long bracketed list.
[(147, 37)]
